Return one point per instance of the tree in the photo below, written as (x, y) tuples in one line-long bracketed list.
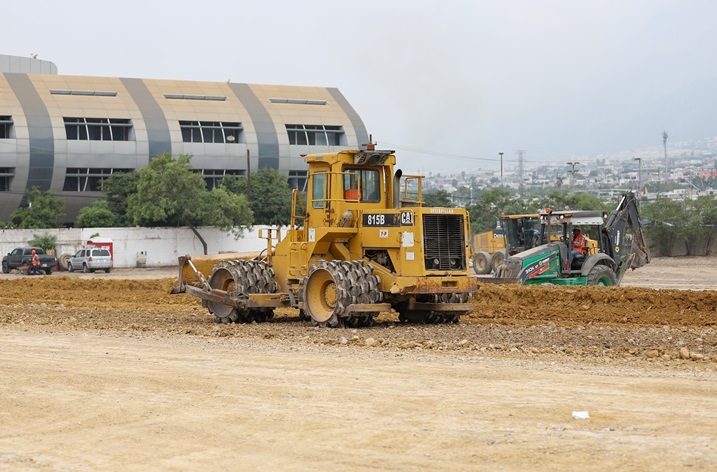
[(559, 200), (268, 193), (491, 203), (438, 198), (97, 215), (43, 210), (664, 216), (45, 241), (118, 189), (169, 193)]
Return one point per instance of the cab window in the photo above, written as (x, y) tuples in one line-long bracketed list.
[(318, 193), (367, 180)]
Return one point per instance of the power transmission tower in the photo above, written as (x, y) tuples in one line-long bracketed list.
[(521, 170)]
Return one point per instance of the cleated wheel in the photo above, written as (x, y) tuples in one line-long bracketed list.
[(432, 317), (239, 279), (332, 286)]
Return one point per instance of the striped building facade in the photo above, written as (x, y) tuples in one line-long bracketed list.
[(67, 134)]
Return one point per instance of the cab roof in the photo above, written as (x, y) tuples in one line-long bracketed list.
[(355, 157)]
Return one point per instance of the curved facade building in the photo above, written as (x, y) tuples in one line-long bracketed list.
[(67, 134)]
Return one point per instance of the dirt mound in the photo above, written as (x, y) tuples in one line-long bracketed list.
[(527, 321), (595, 305)]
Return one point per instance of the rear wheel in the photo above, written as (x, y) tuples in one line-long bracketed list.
[(496, 260), (69, 267), (602, 275), (107, 270), (429, 316), (481, 263), (48, 271), (332, 286), (5, 268)]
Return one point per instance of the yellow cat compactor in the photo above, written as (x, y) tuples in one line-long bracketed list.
[(360, 243)]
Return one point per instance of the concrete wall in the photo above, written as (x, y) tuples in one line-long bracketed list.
[(161, 245)]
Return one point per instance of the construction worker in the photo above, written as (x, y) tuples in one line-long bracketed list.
[(579, 246), (35, 263)]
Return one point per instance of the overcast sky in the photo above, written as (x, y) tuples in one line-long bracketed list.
[(434, 80)]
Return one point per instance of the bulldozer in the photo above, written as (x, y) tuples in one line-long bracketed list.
[(360, 243), (514, 234), (614, 243)]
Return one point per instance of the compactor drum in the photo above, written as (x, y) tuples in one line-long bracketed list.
[(360, 243)]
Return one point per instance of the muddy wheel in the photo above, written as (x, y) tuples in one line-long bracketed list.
[(432, 317), (5, 268), (481, 263), (325, 295), (223, 278), (239, 279), (334, 285), (496, 260), (602, 275)]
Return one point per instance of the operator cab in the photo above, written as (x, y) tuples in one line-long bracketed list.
[(560, 225)]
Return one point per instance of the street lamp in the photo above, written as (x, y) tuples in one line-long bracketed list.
[(572, 165), (501, 168)]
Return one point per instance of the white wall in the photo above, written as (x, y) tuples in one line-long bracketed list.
[(162, 245)]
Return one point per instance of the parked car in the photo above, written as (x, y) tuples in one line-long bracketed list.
[(21, 258), (90, 259)]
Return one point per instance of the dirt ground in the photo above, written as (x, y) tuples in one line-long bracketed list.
[(101, 372)]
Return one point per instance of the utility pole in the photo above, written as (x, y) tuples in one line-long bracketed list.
[(639, 176), (667, 163), (521, 170), (572, 165), (501, 168)]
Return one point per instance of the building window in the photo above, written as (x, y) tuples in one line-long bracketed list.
[(83, 179), (98, 129), (210, 132), (6, 175), (297, 179), (315, 135), (5, 127), (213, 177)]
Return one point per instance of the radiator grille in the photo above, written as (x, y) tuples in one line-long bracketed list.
[(444, 242)]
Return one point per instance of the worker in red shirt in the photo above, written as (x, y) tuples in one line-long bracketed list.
[(579, 246)]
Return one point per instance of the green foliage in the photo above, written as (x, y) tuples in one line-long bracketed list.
[(226, 210), (438, 198), (43, 210), (169, 193), (559, 200), (97, 215), (268, 194), (118, 189), (491, 203), (45, 241), (691, 221)]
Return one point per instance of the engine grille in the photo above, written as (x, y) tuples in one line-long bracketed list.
[(443, 241)]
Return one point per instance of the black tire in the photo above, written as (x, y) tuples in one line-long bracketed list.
[(48, 271), (69, 267), (481, 263), (107, 270), (5, 268), (92, 271), (496, 260), (602, 275)]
